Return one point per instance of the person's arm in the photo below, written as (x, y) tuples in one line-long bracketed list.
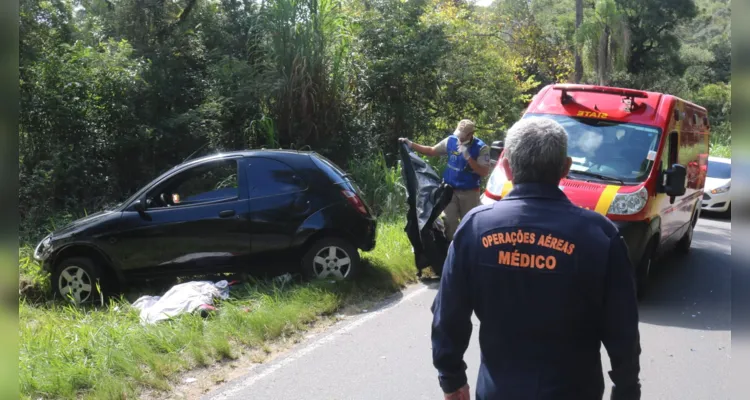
[(430, 151), (620, 336), (426, 150), (482, 164), (451, 324)]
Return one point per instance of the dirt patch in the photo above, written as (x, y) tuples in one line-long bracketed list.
[(31, 292)]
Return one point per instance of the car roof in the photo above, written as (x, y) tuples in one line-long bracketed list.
[(248, 153), (605, 103), (720, 159), (280, 153)]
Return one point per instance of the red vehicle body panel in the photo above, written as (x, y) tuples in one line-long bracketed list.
[(678, 120)]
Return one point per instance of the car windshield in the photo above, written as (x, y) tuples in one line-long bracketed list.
[(719, 170), (609, 150)]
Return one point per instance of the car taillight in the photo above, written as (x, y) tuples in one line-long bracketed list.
[(355, 201)]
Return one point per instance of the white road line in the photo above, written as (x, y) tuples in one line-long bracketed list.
[(229, 393)]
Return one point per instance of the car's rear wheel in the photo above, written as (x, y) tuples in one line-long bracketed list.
[(331, 258), (78, 280)]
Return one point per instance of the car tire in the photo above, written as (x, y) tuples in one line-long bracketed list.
[(331, 258), (643, 271), (683, 246), (728, 213), (78, 280)]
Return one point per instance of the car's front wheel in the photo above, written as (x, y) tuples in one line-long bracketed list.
[(78, 280), (683, 246), (643, 270), (331, 258), (728, 213)]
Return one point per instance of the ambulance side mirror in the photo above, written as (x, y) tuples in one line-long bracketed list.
[(496, 149), (675, 180)]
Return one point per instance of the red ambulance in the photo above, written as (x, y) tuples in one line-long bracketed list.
[(639, 158)]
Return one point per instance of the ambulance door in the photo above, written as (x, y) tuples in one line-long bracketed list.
[(668, 207), (693, 146)]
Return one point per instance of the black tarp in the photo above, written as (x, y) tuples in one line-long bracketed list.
[(427, 196)]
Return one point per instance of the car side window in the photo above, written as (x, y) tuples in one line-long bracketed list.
[(268, 177), (209, 182)]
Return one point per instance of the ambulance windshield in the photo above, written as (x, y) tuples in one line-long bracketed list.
[(607, 149)]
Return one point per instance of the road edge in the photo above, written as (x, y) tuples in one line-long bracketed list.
[(260, 371)]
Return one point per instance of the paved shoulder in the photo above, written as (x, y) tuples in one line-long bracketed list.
[(382, 354)]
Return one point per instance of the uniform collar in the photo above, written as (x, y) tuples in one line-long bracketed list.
[(541, 190)]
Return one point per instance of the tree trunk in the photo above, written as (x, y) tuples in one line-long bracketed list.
[(578, 74), (604, 64)]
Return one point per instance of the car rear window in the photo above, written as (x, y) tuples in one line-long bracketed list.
[(333, 171)]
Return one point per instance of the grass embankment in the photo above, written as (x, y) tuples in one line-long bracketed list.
[(721, 150), (105, 353)]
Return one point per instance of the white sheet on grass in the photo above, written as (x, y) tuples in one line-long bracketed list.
[(182, 298)]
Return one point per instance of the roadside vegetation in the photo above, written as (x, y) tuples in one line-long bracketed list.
[(103, 351), (115, 92)]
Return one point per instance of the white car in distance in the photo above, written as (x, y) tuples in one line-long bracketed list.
[(716, 194)]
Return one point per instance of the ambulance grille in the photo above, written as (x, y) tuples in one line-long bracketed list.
[(580, 185)]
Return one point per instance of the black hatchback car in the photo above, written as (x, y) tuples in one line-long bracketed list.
[(241, 211)]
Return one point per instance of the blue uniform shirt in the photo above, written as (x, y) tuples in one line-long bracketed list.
[(549, 282), (458, 173)]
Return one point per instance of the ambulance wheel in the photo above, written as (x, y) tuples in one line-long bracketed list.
[(331, 258), (643, 271), (683, 246)]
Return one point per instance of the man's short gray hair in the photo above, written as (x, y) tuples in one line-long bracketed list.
[(537, 150)]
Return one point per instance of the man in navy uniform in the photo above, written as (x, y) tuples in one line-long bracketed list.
[(468, 162), (549, 282)]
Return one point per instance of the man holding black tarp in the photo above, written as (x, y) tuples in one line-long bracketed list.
[(468, 162)]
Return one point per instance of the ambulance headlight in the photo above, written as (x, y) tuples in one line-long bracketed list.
[(629, 203)]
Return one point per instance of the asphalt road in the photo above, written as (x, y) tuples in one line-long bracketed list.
[(385, 353)]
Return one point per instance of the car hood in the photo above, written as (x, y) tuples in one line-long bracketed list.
[(713, 183), (589, 195), (82, 223)]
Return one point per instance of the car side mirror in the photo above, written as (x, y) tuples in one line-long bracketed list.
[(675, 180), (140, 206)]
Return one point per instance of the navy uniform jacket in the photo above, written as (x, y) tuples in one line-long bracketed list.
[(549, 281)]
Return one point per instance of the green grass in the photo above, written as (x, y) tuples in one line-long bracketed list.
[(105, 353), (721, 150)]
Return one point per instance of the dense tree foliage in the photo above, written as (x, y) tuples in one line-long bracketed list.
[(114, 92)]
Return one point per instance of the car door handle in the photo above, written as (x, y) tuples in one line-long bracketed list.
[(226, 213)]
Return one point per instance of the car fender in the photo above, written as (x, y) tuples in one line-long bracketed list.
[(638, 234), (318, 222), (83, 249)]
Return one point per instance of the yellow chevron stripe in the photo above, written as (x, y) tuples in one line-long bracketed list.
[(507, 186), (605, 200)]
